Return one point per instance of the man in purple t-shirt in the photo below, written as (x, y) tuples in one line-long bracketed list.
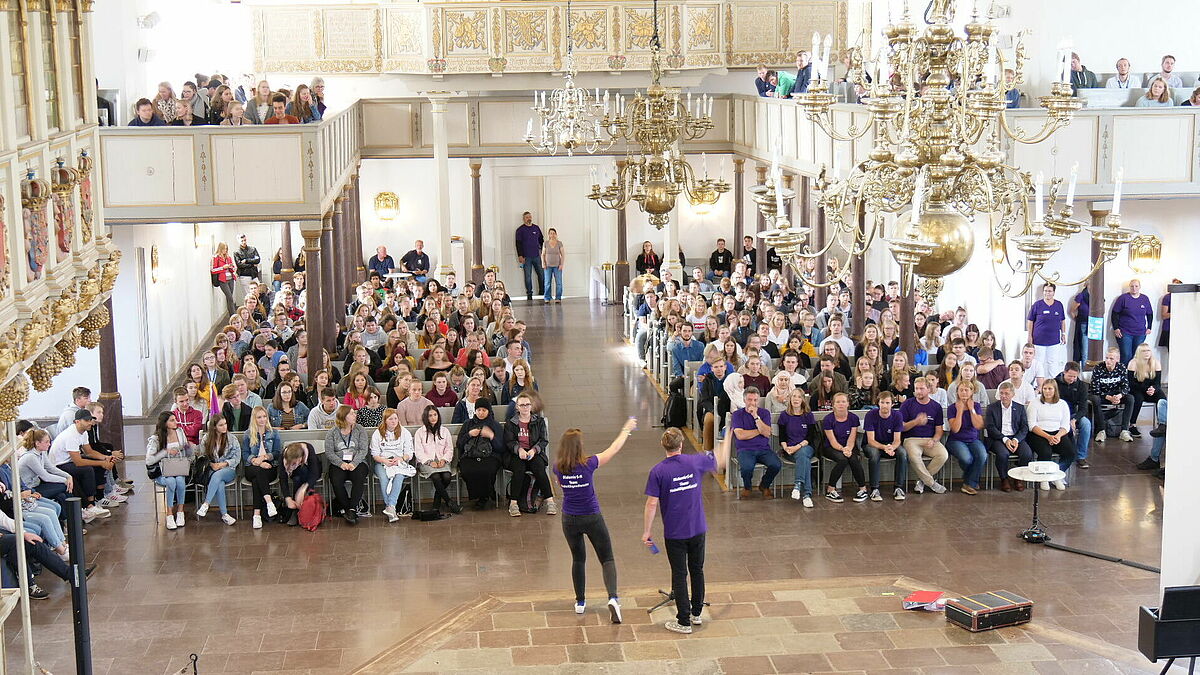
[(752, 428), (529, 253), (923, 419), (1131, 315), (675, 484), (1046, 325)]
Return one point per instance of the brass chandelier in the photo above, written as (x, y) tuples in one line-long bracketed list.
[(939, 122), (654, 126), (570, 116)]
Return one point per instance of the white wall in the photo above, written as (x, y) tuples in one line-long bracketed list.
[(179, 310)]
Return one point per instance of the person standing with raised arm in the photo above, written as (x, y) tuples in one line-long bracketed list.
[(581, 512), (674, 483)]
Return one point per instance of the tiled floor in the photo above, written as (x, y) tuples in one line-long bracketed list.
[(281, 599), (838, 625)]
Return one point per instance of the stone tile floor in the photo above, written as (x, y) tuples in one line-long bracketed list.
[(283, 600)]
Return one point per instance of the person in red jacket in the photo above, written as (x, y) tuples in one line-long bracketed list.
[(190, 420), (224, 274)]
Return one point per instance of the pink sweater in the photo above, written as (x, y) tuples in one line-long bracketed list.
[(428, 448), (410, 410)]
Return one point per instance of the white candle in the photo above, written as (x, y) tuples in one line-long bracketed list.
[(1038, 208), (704, 161), (779, 192), (710, 104), (535, 98), (816, 45), (594, 176), (1071, 186), (1116, 206), (529, 128)]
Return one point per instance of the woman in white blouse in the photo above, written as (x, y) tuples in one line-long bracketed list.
[(434, 449), (777, 331), (392, 449), (1050, 430)]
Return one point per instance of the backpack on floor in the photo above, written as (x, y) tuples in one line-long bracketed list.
[(675, 411), (1112, 422), (312, 511)]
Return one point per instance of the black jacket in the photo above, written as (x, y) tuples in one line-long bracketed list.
[(247, 261), (994, 421), (243, 420), (538, 437), (1076, 396), (474, 422)]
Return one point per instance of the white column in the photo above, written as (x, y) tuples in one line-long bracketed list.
[(671, 248), (441, 160), (1181, 501)]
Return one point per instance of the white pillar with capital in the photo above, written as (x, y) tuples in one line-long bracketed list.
[(671, 248), (1181, 501), (441, 160)]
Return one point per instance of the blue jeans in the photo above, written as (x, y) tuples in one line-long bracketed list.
[(803, 458), (533, 268), (972, 457), (875, 456), (552, 274), (1083, 439), (1127, 344), (216, 487), (176, 489), (1156, 448), (44, 523), (748, 458), (390, 497)]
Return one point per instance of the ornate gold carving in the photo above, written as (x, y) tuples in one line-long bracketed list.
[(437, 32), (403, 33), (588, 28), (32, 334), (729, 29), (379, 39), (89, 288), (497, 42), (526, 29), (64, 5), (467, 30), (67, 347), (556, 33), (63, 313), (785, 29), (702, 27), (675, 28), (616, 28), (12, 396), (639, 26)]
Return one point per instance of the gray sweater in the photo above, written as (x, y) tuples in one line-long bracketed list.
[(35, 468), (319, 419), (335, 447)]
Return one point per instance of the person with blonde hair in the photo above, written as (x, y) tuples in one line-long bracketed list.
[(392, 450), (261, 451), (302, 106), (575, 474), (1158, 95), (1145, 383), (966, 422), (166, 103), (224, 274), (258, 107)]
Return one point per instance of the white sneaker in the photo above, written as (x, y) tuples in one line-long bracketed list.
[(171, 522), (88, 516), (108, 503), (1043, 485), (390, 512), (1125, 436), (271, 510), (202, 511), (898, 494), (180, 519), (696, 620), (100, 511), (122, 489), (614, 610), (66, 554), (937, 487), (796, 494), (1059, 485), (580, 607), (256, 522), (228, 519), (808, 502), (875, 496), (1101, 436), (919, 488)]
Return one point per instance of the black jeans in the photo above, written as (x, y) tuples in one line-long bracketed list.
[(358, 482), (89, 481), (260, 483), (1139, 397), (1126, 412), (39, 552), (687, 559), (441, 481), (1044, 451), (575, 528), (480, 476), (519, 483), (854, 461)]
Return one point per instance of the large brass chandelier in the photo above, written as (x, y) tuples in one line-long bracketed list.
[(937, 164), (569, 118), (654, 126)]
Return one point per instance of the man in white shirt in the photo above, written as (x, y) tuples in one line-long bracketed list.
[(837, 328), (1022, 392), (960, 320), (1123, 79), (71, 453), (1034, 370), (1168, 74)]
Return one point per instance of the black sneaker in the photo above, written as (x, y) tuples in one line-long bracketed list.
[(37, 592), (1161, 474), (1148, 465), (1083, 464), (454, 507), (1133, 431), (860, 496), (350, 516), (87, 574), (1158, 431), (834, 496)]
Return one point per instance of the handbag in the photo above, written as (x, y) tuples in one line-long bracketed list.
[(477, 447), (216, 279), (175, 466)]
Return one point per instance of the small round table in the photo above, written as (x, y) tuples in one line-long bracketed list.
[(1036, 534)]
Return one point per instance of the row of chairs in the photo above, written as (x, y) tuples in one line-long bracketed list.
[(239, 492)]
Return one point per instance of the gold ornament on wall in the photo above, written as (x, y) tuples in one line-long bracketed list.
[(387, 205), (1145, 252), (32, 334), (154, 263), (12, 396), (67, 347), (64, 311)]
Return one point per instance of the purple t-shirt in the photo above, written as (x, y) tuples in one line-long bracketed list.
[(1085, 305), (1047, 322), (743, 420), (1166, 302), (933, 410), (885, 428), (1133, 315), (794, 428), (676, 482), (579, 493), (967, 433), (841, 430)]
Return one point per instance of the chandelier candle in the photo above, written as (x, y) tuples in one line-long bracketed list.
[(1116, 205)]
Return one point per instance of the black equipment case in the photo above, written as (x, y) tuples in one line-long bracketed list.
[(986, 611)]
